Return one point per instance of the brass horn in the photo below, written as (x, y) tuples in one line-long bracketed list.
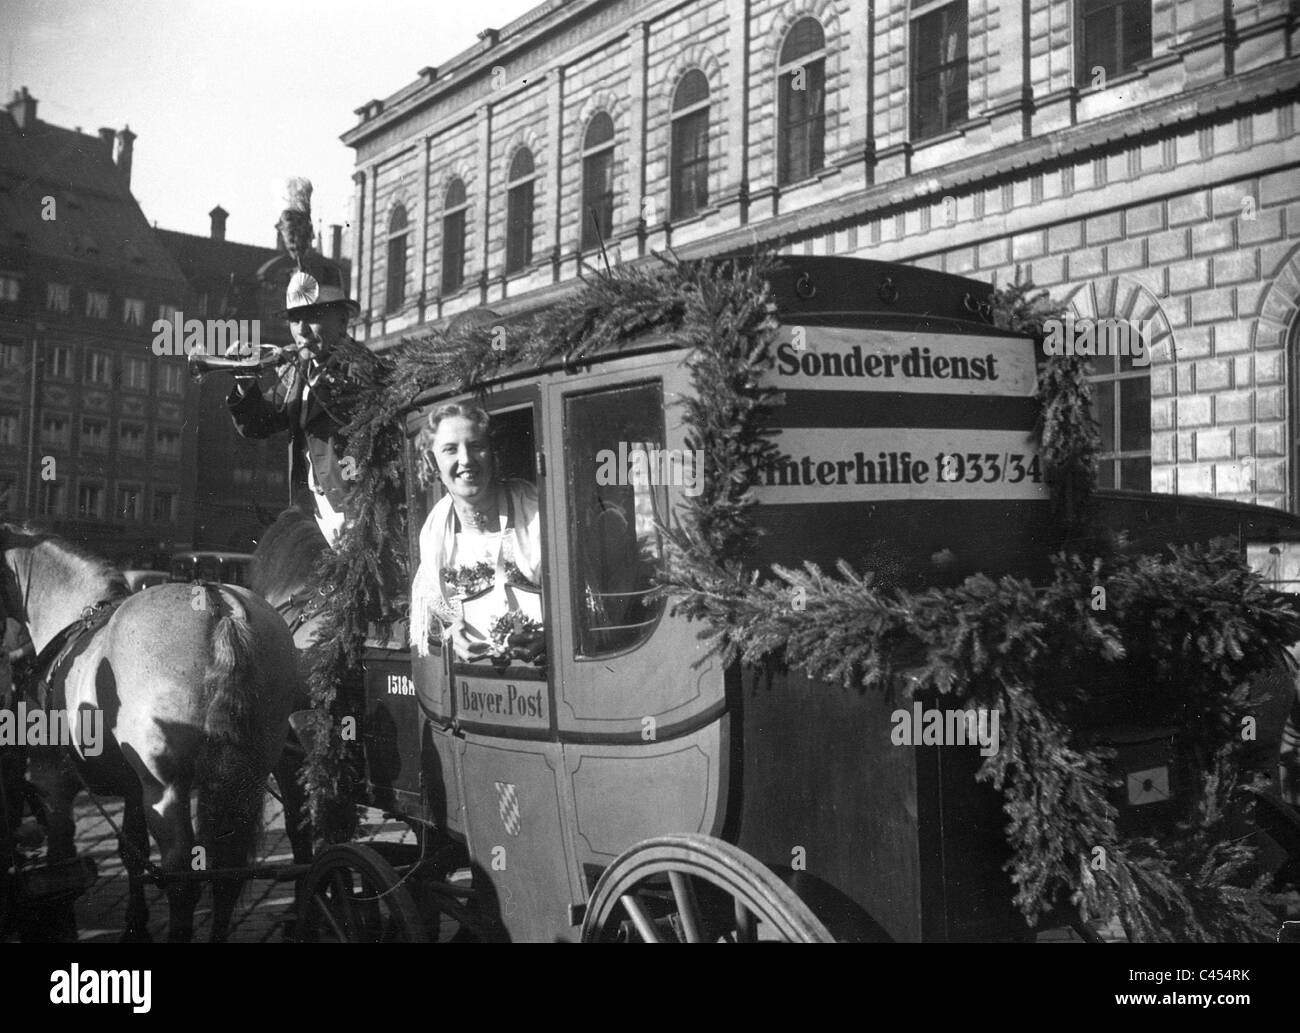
[(272, 355)]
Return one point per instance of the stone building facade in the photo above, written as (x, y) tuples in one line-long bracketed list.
[(93, 442), (1139, 158)]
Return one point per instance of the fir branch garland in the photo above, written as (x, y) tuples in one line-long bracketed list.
[(1195, 624)]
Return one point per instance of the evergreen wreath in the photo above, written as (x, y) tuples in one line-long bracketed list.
[(1187, 630)]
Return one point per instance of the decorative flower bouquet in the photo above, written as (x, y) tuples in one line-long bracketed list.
[(469, 581), (512, 625)]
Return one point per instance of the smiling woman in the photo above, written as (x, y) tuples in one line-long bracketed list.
[(480, 548)]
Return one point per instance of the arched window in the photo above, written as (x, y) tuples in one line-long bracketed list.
[(397, 238), (519, 211), (453, 237), (598, 182), (801, 102), (690, 145)]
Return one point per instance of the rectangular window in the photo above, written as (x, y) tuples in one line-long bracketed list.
[(58, 297), (9, 287), (597, 198), (12, 354), (168, 444), (130, 502), (56, 430), (135, 375), (802, 99), (99, 368), (97, 304), (50, 501), (133, 311), (164, 507), (94, 433), (8, 429), (90, 500), (1122, 397), (1114, 35), (130, 438), (171, 380), (453, 252), (615, 544), (58, 362), (167, 312), (939, 99), (519, 226), (690, 187)]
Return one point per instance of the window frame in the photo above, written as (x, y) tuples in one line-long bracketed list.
[(58, 297), (98, 303), (56, 369), (65, 440), (172, 496), (455, 224), (397, 240), (681, 170), (521, 209), (102, 444), (788, 170), (97, 484), (1111, 380), (94, 359), (576, 532), (130, 362), (946, 121), (122, 427), (1084, 67), (597, 156)]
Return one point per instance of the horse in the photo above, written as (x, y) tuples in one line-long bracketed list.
[(281, 572), (193, 684)]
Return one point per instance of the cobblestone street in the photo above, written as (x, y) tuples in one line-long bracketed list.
[(263, 906)]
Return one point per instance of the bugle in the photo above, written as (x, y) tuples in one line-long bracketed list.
[(272, 355)]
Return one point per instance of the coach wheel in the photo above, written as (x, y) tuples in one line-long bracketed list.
[(691, 888), (352, 895)]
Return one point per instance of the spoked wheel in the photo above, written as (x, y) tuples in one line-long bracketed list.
[(691, 888), (352, 895)]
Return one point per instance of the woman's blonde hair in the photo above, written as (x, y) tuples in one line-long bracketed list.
[(424, 439)]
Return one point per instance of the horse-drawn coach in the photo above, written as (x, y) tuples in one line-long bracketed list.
[(626, 780)]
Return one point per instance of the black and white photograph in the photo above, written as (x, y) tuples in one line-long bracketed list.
[(651, 471)]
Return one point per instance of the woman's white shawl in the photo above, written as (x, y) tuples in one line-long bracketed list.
[(429, 606)]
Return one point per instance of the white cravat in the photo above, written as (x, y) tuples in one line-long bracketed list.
[(328, 519)]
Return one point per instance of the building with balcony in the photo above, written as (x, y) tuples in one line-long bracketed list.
[(1139, 158)]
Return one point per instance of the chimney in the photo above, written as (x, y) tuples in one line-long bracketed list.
[(106, 136), (23, 108), (122, 157), (218, 216), (336, 241)]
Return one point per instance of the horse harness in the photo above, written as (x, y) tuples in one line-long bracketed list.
[(42, 683)]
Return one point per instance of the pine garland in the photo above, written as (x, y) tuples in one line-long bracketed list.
[(1192, 625)]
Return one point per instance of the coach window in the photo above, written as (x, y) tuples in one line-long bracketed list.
[(690, 142), (598, 182), (519, 211), (1122, 396), (453, 237), (614, 441), (397, 238), (801, 102), (1114, 35), (939, 95)]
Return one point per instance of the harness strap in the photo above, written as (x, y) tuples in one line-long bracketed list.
[(45, 667)]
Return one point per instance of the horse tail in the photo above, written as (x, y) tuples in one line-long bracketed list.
[(230, 684), (231, 773)]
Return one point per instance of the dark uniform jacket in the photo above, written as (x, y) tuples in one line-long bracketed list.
[(315, 430)]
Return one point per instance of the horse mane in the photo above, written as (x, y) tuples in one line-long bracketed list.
[(286, 556), (94, 567)]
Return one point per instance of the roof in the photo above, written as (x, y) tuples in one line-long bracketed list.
[(97, 220)]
